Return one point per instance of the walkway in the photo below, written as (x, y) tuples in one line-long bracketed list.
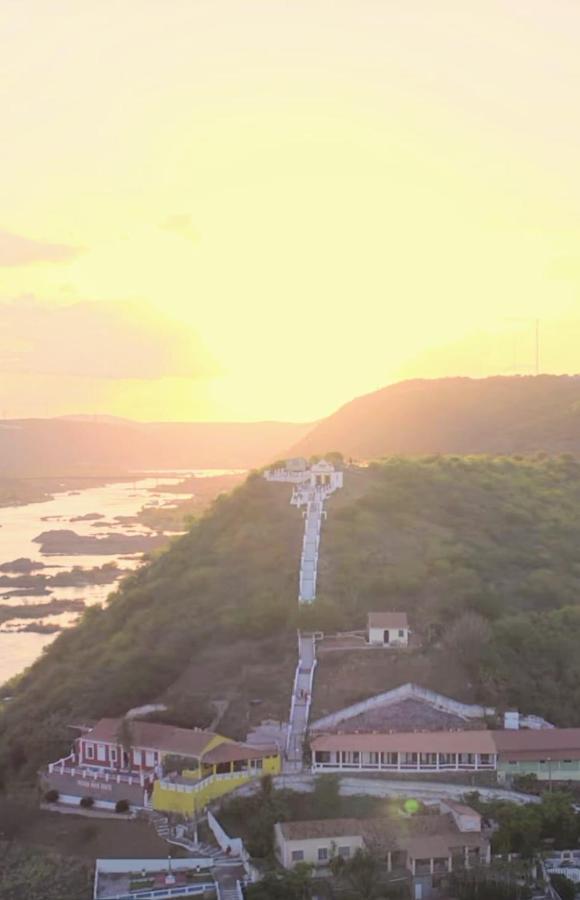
[(427, 791), (310, 547), (300, 705)]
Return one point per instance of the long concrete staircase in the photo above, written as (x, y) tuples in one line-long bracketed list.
[(310, 548), (300, 704)]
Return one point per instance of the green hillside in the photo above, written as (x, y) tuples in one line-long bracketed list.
[(503, 414), (484, 553)]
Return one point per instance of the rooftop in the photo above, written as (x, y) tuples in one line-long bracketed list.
[(321, 828), (410, 714), (530, 743), (409, 742), (422, 836), (231, 751), (388, 620), (555, 743), (153, 736)]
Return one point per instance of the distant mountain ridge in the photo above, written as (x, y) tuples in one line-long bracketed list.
[(501, 414), (80, 445)]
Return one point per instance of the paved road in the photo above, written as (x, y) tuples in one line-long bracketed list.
[(377, 787)]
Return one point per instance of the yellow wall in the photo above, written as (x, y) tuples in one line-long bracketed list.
[(189, 802)]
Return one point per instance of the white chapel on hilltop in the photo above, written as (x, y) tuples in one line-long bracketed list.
[(312, 485)]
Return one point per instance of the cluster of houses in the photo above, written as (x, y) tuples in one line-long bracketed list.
[(426, 846), (153, 766), (138, 764)]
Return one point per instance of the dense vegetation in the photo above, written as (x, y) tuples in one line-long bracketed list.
[(482, 552), (515, 414), (40, 875)]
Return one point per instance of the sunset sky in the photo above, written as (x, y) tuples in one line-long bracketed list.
[(257, 209)]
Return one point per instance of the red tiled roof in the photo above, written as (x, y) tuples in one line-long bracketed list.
[(153, 736), (321, 828), (409, 742), (422, 836), (231, 751), (557, 743), (388, 620)]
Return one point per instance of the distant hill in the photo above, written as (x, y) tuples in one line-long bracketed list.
[(481, 552), (79, 445), (518, 414)]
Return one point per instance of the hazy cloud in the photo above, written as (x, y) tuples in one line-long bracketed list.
[(16, 250), (181, 224), (98, 340)]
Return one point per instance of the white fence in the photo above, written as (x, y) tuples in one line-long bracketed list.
[(233, 847), (114, 888)]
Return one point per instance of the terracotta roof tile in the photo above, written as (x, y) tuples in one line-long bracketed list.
[(153, 736), (409, 742), (388, 620), (231, 751)]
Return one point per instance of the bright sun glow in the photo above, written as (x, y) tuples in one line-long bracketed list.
[(293, 203)]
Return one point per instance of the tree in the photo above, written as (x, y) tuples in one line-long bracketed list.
[(125, 735), (295, 884), (467, 638), (564, 886), (361, 874)]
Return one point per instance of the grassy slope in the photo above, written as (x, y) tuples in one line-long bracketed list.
[(214, 617), (455, 415)]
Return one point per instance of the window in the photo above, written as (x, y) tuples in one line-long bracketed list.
[(258, 763), (373, 759), (485, 759), (89, 751), (101, 752), (149, 758), (322, 756), (389, 759), (297, 855), (350, 757), (322, 854), (344, 852), (113, 754), (137, 757), (428, 759), (401, 632)]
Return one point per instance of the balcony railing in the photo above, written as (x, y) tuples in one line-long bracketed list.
[(196, 786), (63, 767)]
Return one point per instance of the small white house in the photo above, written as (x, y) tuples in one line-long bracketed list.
[(388, 629)]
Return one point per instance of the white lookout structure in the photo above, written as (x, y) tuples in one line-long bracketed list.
[(312, 485)]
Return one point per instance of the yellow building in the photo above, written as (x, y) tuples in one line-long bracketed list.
[(147, 764), (222, 768)]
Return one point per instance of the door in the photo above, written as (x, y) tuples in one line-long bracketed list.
[(386, 636)]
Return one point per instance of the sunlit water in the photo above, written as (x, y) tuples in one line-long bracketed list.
[(21, 524)]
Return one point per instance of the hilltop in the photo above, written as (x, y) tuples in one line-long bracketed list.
[(516, 414), (84, 445), (481, 552)]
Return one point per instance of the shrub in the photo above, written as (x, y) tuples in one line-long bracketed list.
[(51, 796), (87, 802), (122, 806)]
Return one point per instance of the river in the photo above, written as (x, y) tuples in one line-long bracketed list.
[(93, 512)]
